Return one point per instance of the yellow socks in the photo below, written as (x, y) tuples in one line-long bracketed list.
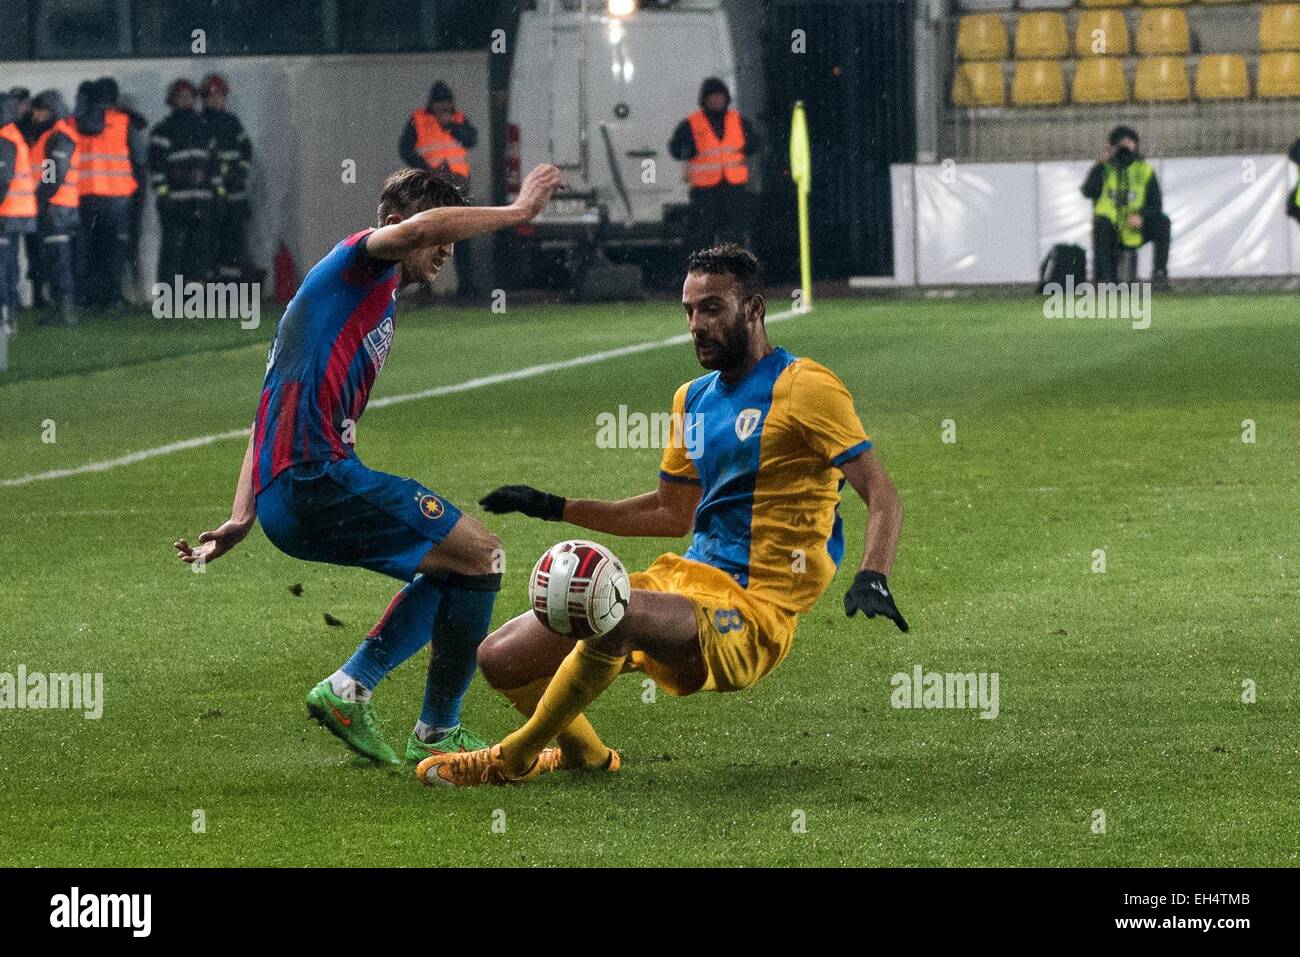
[(579, 680), (580, 743)]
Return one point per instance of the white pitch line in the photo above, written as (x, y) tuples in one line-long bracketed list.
[(468, 385)]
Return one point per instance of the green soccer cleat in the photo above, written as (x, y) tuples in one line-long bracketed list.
[(353, 723), (457, 739)]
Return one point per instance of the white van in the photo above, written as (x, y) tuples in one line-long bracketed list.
[(600, 97)]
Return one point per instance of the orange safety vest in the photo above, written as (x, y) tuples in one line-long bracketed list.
[(436, 146), (20, 201), (715, 158), (106, 159), (68, 194)]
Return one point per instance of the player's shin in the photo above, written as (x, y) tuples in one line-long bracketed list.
[(580, 679), (405, 628), (579, 742), (463, 620)]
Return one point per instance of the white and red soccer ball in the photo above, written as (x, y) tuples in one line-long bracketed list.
[(579, 588)]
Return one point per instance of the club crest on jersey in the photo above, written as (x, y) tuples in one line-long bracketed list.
[(431, 506), (747, 423), (379, 341)]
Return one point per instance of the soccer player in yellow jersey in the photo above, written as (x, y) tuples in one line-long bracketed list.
[(758, 485)]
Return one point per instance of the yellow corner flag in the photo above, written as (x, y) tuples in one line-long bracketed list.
[(801, 173)]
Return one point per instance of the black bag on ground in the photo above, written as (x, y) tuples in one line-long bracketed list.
[(1065, 259)]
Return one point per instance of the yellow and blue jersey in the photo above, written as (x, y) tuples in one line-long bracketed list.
[(766, 453)]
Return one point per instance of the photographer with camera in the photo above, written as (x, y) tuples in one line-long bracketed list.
[(1126, 211)]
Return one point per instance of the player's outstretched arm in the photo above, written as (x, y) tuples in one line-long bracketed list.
[(870, 593), (450, 224), (243, 513), (667, 512)]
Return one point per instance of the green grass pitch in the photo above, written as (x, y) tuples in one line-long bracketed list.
[(1120, 692)]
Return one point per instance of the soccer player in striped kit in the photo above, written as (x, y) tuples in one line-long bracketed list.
[(302, 480)]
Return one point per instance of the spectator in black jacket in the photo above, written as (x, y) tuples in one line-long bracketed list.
[(184, 177), (234, 161)]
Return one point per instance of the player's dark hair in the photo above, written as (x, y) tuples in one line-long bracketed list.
[(410, 191), (729, 259)]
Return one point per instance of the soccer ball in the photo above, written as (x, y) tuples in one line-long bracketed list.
[(579, 588)]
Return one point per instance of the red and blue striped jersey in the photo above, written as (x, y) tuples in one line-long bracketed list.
[(329, 346)]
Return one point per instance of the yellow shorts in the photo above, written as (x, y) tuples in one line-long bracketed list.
[(740, 639)]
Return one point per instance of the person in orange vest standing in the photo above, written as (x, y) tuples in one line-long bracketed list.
[(107, 188), (715, 142), (439, 138), (110, 95), (58, 199), (30, 241), (17, 207)]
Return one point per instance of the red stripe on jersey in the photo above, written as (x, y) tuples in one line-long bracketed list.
[(285, 421), (259, 427), (364, 317), (341, 356)]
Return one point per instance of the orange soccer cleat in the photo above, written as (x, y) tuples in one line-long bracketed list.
[(464, 769)]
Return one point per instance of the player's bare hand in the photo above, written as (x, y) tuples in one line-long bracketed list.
[(870, 595), (212, 545), (536, 190)]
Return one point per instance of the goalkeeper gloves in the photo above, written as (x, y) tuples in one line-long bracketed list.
[(525, 499), (870, 595)]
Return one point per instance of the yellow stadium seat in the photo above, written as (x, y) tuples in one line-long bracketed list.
[(1038, 83), (979, 84), (1279, 27), (1162, 30), (1161, 79), (1164, 3), (1101, 33), (1279, 75), (1041, 35), (982, 36), (1224, 2), (1222, 76), (1093, 4), (1099, 79)]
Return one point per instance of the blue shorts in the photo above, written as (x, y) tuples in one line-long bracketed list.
[(346, 514)]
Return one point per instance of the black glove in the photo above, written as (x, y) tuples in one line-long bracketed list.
[(526, 499), (870, 595)]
